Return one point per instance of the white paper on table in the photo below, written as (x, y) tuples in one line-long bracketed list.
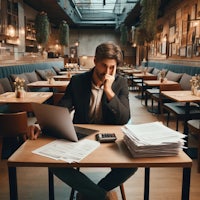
[(152, 133), (67, 151)]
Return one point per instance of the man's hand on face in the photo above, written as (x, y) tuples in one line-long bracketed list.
[(109, 79)]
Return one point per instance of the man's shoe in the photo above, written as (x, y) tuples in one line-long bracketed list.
[(111, 195)]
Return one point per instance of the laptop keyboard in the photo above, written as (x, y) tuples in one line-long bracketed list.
[(83, 132)]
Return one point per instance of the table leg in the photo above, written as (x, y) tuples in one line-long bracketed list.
[(187, 112), (13, 183), (186, 184), (185, 131), (51, 185), (146, 183)]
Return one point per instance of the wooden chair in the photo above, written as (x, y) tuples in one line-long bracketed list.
[(160, 99), (13, 125), (194, 126), (178, 110), (19, 107), (142, 87)]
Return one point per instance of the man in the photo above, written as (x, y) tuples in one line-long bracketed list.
[(98, 96)]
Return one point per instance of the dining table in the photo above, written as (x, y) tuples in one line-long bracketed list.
[(131, 71), (65, 77), (24, 102), (29, 97), (155, 84), (187, 97), (59, 85), (72, 72), (119, 157)]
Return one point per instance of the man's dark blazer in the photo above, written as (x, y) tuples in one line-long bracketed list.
[(77, 97)]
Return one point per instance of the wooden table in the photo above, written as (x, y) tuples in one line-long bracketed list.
[(62, 77), (157, 83), (144, 75), (131, 71), (72, 72), (24, 103), (119, 156), (30, 97), (55, 85), (183, 96)]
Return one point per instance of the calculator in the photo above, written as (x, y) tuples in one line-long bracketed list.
[(106, 137)]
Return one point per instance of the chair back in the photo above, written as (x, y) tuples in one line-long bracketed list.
[(13, 124)]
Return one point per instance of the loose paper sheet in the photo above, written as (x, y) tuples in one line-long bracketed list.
[(67, 151)]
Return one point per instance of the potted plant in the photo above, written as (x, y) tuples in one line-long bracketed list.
[(124, 34), (42, 28), (64, 33), (148, 17)]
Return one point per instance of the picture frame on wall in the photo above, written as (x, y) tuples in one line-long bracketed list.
[(198, 10), (174, 51), (164, 47), (189, 51), (170, 49), (172, 31), (182, 51)]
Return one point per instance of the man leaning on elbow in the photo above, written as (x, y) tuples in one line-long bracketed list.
[(98, 96)]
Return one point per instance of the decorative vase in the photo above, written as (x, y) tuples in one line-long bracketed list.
[(161, 80), (19, 93), (51, 80)]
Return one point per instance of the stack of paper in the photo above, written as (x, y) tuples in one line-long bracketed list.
[(152, 140)]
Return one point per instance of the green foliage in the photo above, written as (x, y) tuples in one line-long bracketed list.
[(139, 37), (64, 33), (42, 28), (148, 17), (124, 34)]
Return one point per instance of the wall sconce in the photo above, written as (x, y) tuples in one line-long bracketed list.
[(56, 46), (11, 30), (22, 31), (76, 43), (134, 45)]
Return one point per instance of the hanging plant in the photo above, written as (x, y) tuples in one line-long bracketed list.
[(124, 34), (148, 17), (64, 33), (138, 36), (42, 28)]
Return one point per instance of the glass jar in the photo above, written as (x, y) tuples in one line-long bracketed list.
[(19, 92)]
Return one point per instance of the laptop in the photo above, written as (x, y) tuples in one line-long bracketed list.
[(56, 121)]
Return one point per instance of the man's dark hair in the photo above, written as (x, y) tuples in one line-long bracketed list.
[(109, 50)]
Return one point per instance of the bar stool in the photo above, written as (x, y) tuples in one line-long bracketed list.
[(194, 126)]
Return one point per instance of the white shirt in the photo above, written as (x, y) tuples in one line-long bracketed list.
[(95, 109)]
